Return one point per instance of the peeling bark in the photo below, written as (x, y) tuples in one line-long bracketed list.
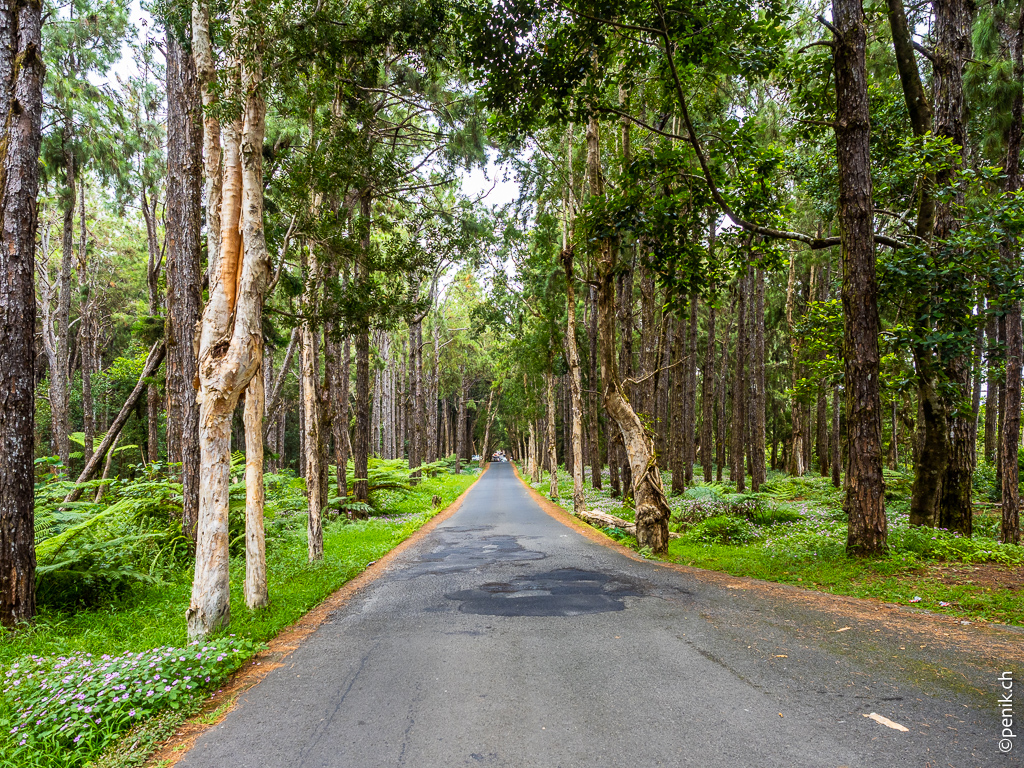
[(255, 586), (652, 510), (229, 356)]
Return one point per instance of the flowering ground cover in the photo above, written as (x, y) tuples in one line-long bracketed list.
[(77, 680), (794, 531)]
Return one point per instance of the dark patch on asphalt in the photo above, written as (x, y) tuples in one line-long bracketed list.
[(458, 553), (564, 592)]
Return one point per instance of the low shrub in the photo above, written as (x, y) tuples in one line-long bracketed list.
[(722, 529), (80, 703)]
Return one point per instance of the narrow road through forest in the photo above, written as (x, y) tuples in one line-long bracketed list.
[(507, 638)]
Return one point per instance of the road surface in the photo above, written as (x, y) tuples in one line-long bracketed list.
[(507, 638)]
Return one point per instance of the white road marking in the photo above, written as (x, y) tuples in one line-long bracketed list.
[(886, 722)]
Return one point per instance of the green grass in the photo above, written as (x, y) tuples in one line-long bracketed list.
[(152, 615), (794, 532)]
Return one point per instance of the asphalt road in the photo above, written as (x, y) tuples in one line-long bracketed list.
[(507, 638)]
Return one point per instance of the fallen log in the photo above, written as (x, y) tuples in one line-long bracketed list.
[(604, 520)]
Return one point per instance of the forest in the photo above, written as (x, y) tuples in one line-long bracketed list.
[(257, 325)]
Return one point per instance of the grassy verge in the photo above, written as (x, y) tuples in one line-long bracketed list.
[(152, 616), (794, 532)]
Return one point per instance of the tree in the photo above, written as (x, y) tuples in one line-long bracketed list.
[(230, 339), (865, 501), (184, 267), (21, 84)]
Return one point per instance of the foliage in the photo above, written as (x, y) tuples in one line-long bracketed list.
[(722, 529), (80, 702), (145, 616)]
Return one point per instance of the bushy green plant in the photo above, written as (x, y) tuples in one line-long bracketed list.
[(722, 529), (89, 551), (939, 544), (80, 703)]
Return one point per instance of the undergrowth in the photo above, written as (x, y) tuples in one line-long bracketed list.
[(794, 530), (115, 582)]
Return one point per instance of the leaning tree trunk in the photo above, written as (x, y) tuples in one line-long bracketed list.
[(865, 500), (21, 83), (153, 360), (652, 510), (229, 341), (184, 271)]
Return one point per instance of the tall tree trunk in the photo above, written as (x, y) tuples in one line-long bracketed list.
[(677, 441), (459, 427), (533, 464), (184, 275), (21, 83), (952, 51), (1010, 256), (491, 411), (60, 422), (932, 445), (255, 587), (758, 384), (86, 336), (867, 530), (575, 385), (334, 403), (549, 380), (592, 402), (796, 449), (624, 312), (417, 432), (312, 426), (739, 389), (361, 445), (689, 425), (720, 398), (229, 347), (707, 401), (991, 389), (652, 510), (837, 448)]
